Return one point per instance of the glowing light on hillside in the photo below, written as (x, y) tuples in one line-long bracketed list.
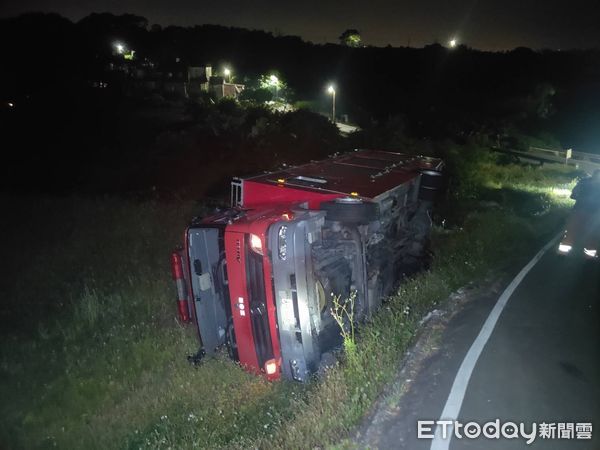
[(227, 73), (331, 91)]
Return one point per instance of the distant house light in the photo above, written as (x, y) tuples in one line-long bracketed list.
[(227, 74)]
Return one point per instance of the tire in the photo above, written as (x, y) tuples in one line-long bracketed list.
[(355, 212)]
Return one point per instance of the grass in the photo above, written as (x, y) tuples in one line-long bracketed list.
[(92, 356)]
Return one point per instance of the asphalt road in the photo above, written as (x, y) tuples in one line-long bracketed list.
[(541, 363)]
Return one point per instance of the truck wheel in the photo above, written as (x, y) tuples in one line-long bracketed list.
[(350, 210), (327, 286)]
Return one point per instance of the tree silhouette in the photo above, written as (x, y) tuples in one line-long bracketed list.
[(351, 38)]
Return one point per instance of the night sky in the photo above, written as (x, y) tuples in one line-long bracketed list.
[(483, 24)]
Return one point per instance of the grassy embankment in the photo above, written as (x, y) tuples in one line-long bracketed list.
[(92, 357)]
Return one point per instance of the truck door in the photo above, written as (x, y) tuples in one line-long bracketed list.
[(209, 286)]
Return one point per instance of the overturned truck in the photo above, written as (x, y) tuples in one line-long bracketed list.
[(260, 277)]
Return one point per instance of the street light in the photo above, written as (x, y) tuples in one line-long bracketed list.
[(274, 81), (227, 73), (331, 91), (452, 43), (120, 47)]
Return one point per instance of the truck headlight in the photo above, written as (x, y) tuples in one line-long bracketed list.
[(256, 244), (282, 242), (564, 248)]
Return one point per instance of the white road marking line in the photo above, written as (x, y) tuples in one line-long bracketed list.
[(459, 387)]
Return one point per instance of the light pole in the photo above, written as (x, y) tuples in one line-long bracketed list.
[(331, 91)]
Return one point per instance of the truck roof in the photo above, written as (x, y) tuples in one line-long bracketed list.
[(364, 173)]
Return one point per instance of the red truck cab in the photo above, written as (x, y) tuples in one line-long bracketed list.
[(259, 277)]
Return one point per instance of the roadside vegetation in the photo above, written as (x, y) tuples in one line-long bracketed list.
[(92, 355)]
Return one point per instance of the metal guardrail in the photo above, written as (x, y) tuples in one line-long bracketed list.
[(591, 157), (564, 155), (584, 161), (549, 151)]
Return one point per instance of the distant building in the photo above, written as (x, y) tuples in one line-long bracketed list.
[(221, 88), (174, 79), (198, 79), (201, 79)]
